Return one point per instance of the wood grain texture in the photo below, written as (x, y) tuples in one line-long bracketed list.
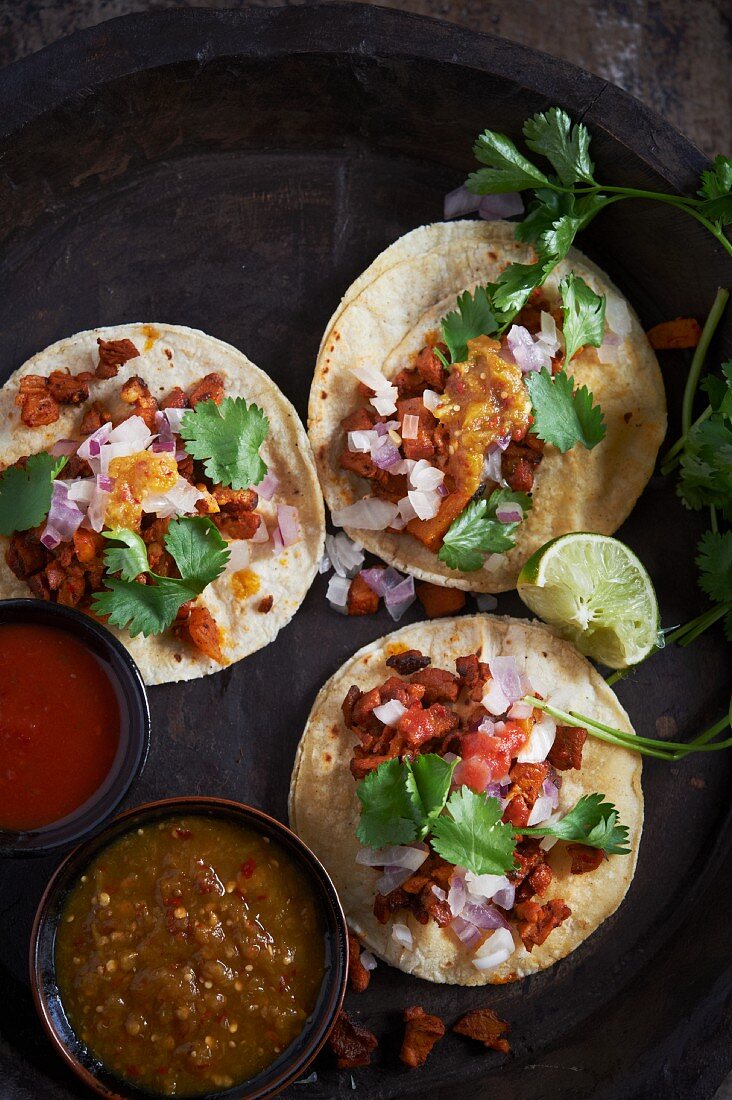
[(675, 56)]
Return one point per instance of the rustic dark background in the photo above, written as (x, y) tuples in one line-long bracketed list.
[(674, 55)]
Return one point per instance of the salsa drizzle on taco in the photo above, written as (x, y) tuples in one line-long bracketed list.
[(459, 789)]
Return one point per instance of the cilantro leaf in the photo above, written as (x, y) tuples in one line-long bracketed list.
[(198, 550), (562, 416), (508, 169), (477, 531), (715, 565), (473, 836), (716, 188), (227, 438), (387, 809), (512, 289), (592, 822), (428, 782), (584, 315), (25, 492), (201, 555), (141, 608), (473, 317), (706, 465), (565, 146), (131, 559)]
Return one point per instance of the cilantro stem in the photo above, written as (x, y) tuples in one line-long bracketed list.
[(672, 457), (646, 746), (700, 354)]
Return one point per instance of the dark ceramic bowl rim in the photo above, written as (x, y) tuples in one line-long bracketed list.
[(128, 764), (333, 987)]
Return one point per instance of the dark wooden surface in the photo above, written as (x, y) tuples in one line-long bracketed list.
[(235, 173), (674, 55)]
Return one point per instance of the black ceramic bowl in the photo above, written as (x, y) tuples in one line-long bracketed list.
[(295, 1059), (134, 727)]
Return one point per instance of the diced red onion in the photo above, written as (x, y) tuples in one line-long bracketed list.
[(547, 842), (425, 477), (506, 674), (179, 500), (439, 893), (505, 897), (425, 504), (494, 700), (325, 565), (459, 202), (504, 205), (555, 778), (97, 509), (239, 555), (262, 535), (268, 486), (50, 538), (64, 447), (530, 355), (410, 426), (442, 490), (494, 790), (486, 602), (487, 725), (406, 510), (466, 932), (484, 916), (397, 855), (288, 519), (362, 441), (431, 399), (381, 580), (92, 444), (174, 418), (386, 454), (509, 513), (483, 887), (385, 404), (337, 592), (617, 315), (457, 894), (540, 742), (548, 337), (384, 427), (390, 712), (164, 447), (550, 791), (402, 935), (540, 811), (367, 960), (492, 467), (106, 484), (497, 948), (132, 432), (64, 515), (399, 598), (372, 378), (448, 757), (81, 489), (346, 556), (520, 711), (368, 514), (278, 544), (165, 434)]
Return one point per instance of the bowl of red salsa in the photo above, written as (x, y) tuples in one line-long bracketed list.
[(194, 948), (74, 725)]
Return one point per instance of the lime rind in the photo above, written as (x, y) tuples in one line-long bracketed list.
[(597, 594)]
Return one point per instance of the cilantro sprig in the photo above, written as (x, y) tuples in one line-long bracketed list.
[(477, 531), (564, 415), (569, 197), (227, 438), (25, 492), (473, 317), (403, 801), (197, 549)]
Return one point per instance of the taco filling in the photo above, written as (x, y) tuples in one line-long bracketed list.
[(459, 783), (151, 502)]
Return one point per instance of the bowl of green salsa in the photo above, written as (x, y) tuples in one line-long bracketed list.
[(196, 948)]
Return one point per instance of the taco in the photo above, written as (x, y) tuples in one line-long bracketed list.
[(415, 460), (154, 477), (471, 839)]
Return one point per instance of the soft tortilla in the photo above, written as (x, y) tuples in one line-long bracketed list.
[(285, 576), (324, 809), (384, 319)]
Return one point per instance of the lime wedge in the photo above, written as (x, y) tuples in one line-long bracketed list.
[(597, 594)]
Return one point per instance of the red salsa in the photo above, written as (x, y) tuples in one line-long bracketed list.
[(59, 725)]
